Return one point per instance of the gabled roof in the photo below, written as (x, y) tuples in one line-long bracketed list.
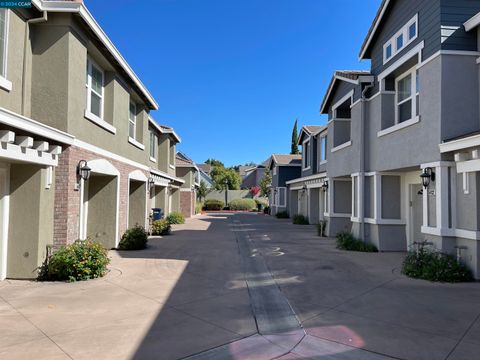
[(374, 27), (285, 160), (350, 76), (77, 7), (163, 129), (472, 23), (182, 160), (206, 168), (308, 130)]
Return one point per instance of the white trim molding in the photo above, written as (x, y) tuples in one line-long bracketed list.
[(416, 50), (342, 146), (399, 126), (100, 122), (136, 143)]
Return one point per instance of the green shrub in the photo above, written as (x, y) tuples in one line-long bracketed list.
[(161, 227), (242, 204), (262, 202), (198, 208), (176, 218), (300, 220), (346, 241), (434, 266), (81, 260), (213, 205), (282, 215), (134, 239)]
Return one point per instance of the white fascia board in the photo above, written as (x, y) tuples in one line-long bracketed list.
[(460, 144), (472, 22), (12, 119), (165, 175), (306, 178), (164, 131), (402, 60), (80, 8), (375, 27)]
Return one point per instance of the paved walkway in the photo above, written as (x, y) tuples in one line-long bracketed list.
[(242, 287)]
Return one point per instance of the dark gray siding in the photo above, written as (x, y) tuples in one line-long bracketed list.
[(455, 13), (396, 17), (287, 173), (340, 90)]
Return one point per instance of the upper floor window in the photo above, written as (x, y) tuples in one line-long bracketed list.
[(132, 120), (401, 39), (407, 90), (3, 41), (306, 154), (153, 145), (323, 148), (94, 89)]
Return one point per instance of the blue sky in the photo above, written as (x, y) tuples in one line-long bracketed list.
[(231, 76)]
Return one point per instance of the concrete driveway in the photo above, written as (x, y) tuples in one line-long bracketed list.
[(242, 286)]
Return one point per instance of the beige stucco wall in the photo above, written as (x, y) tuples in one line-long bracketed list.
[(186, 174), (136, 204), (31, 220), (102, 209), (12, 100)]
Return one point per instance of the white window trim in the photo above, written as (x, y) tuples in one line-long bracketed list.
[(88, 85), (136, 143), (152, 159), (320, 149), (277, 197), (413, 93), (342, 146), (155, 147), (134, 121), (274, 170), (406, 41), (4, 82), (102, 123), (349, 95), (399, 126), (304, 163)]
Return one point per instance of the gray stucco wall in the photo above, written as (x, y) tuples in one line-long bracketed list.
[(342, 198), (391, 200)]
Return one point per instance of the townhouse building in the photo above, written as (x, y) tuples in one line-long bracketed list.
[(282, 168), (400, 155), (189, 172), (75, 133)]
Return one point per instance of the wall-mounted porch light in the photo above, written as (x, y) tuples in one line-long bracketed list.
[(304, 188), (151, 182), (83, 171), (427, 176), (325, 185)]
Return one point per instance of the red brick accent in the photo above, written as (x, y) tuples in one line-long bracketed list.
[(67, 198), (187, 203)]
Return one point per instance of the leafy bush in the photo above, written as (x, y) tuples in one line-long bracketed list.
[(176, 218), (81, 260), (282, 215), (346, 241), (262, 202), (243, 204), (161, 227), (214, 205), (134, 239), (300, 220), (198, 207), (434, 266), (321, 227)]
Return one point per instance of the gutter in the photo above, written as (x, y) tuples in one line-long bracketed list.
[(41, 19), (361, 178)]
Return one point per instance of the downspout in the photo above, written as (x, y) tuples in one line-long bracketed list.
[(44, 18), (361, 178)]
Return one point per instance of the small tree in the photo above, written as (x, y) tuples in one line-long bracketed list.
[(255, 190), (294, 149), (214, 162), (202, 190), (219, 174), (265, 184)]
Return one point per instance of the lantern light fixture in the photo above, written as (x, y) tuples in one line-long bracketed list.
[(427, 176), (325, 185), (83, 171)]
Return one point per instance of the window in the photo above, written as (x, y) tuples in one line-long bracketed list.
[(274, 170), (94, 89), (323, 148), (406, 102), (153, 146), (3, 41), (401, 39), (132, 120), (306, 154), (281, 197)]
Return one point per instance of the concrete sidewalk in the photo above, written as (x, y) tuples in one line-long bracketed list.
[(188, 293)]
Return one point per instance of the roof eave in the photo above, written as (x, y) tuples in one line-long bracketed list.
[(472, 23), (373, 29)]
